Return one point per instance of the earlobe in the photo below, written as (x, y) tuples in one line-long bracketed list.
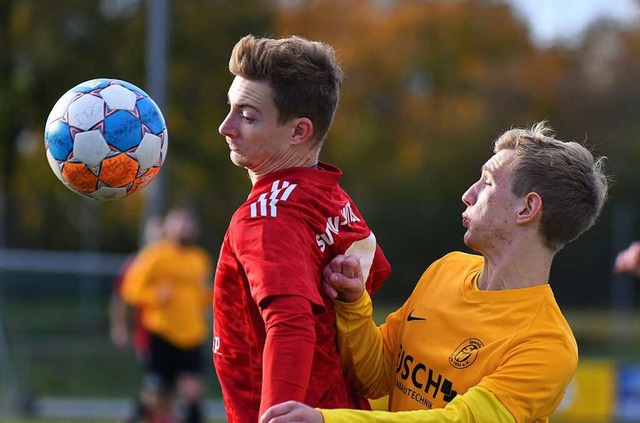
[(531, 208), (302, 131)]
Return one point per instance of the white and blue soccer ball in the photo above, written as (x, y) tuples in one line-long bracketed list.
[(106, 139)]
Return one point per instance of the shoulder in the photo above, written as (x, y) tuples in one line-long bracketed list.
[(202, 254), (292, 185), (551, 328), (153, 250), (290, 198)]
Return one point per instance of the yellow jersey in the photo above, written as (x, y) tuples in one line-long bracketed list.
[(458, 353), (171, 285)]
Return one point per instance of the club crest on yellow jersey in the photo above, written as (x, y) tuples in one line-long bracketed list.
[(466, 353)]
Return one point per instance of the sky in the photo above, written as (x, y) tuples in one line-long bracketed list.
[(550, 20)]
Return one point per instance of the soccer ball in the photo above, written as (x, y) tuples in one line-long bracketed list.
[(106, 139)]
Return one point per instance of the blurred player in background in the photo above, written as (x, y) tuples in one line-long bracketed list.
[(481, 338), (274, 330), (628, 260), (120, 320), (169, 281)]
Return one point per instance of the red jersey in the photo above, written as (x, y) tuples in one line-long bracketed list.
[(293, 223)]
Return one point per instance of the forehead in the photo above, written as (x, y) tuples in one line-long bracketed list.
[(245, 92), (500, 163)]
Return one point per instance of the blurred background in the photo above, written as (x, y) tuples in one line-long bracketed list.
[(430, 85)]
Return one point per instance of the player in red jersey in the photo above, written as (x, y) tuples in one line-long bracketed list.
[(274, 328)]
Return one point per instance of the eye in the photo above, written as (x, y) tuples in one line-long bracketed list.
[(247, 118), (486, 181)]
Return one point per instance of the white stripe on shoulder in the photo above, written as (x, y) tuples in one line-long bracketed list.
[(365, 250)]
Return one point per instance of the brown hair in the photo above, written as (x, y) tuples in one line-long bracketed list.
[(567, 177), (304, 75)]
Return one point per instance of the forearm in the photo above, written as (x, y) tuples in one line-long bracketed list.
[(478, 405), (288, 352), (361, 348)]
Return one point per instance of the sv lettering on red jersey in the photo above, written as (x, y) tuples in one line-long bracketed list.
[(333, 226)]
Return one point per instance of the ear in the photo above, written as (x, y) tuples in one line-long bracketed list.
[(302, 131), (531, 208)]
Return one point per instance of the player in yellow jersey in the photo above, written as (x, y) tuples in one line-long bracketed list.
[(481, 338), (169, 281)]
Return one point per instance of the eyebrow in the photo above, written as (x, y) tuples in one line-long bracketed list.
[(244, 106)]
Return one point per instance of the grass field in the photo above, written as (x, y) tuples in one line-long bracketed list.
[(63, 351)]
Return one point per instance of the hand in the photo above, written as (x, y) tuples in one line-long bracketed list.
[(343, 279), (291, 411), (628, 260)]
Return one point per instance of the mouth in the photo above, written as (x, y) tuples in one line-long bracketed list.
[(232, 146), (465, 221)]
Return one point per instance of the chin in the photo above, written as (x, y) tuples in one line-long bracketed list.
[(237, 160), (468, 241)]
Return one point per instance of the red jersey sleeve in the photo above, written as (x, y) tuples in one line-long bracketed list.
[(288, 350)]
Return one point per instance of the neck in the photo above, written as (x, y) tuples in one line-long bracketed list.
[(516, 267), (284, 162)]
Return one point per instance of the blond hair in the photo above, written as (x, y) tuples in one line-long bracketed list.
[(570, 181)]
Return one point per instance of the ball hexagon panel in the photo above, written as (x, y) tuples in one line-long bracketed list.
[(122, 130), (118, 97), (165, 145), (144, 179), (150, 115), (59, 141), (60, 108), (133, 88), (92, 85), (90, 148), (86, 111), (79, 177), (119, 170), (108, 193), (55, 166), (148, 152)]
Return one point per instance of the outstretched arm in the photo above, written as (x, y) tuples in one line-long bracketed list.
[(478, 405)]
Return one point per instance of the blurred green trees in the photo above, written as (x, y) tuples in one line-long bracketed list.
[(429, 86)]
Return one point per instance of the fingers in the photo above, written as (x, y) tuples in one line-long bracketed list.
[(343, 278), (328, 289), (275, 411), (291, 411), (351, 267)]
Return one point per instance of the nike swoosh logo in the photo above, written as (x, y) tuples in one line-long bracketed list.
[(411, 317)]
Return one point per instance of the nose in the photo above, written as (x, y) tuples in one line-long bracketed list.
[(227, 128), (470, 196)]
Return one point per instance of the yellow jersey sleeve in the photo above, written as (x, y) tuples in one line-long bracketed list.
[(367, 350), (137, 279), (361, 348), (532, 378), (477, 405)]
